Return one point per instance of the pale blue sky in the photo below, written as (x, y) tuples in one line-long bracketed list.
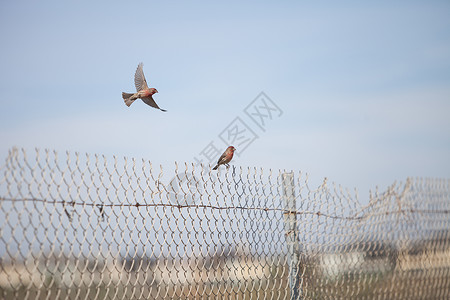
[(365, 88)]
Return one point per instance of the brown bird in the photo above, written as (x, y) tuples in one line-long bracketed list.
[(143, 91), (225, 158)]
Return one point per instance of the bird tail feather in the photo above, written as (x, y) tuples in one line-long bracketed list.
[(127, 98), (215, 168)]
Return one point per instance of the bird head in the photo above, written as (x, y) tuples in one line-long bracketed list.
[(231, 149), (153, 91)]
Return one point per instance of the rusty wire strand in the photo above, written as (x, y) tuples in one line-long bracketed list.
[(266, 209)]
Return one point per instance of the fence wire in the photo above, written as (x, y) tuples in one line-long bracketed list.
[(78, 226)]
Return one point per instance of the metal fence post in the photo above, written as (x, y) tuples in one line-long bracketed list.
[(290, 227)]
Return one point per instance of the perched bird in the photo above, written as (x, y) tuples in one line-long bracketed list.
[(226, 157), (142, 89)]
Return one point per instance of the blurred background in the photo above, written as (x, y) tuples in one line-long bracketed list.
[(363, 88)]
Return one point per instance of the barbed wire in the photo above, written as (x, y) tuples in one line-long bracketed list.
[(101, 207)]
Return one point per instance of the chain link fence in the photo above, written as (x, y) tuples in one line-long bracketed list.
[(78, 226)]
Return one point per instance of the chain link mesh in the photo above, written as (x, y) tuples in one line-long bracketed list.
[(88, 227)]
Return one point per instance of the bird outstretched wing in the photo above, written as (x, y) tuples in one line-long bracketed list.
[(139, 78), (151, 102)]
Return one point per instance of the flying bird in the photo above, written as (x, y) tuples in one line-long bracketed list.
[(142, 90), (226, 157)]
